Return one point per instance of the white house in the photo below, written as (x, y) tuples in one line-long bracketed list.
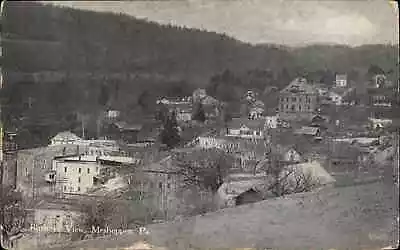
[(335, 98), (244, 128), (112, 114), (379, 123), (210, 142), (256, 113), (65, 137), (379, 80), (271, 122), (76, 174), (341, 80)]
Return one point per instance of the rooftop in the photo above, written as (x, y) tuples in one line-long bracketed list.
[(125, 126), (251, 124), (299, 85), (66, 135)]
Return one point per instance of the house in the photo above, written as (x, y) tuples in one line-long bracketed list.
[(308, 131), (50, 222), (382, 97), (341, 80), (124, 131), (335, 98), (198, 95), (174, 100), (76, 174), (379, 123), (244, 128), (80, 174), (342, 157), (211, 142), (379, 80), (319, 121), (34, 165), (55, 216), (271, 122), (112, 114), (298, 100), (183, 111), (256, 113), (65, 137)]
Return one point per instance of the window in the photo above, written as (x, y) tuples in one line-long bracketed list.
[(168, 185), (293, 108), (65, 169), (80, 170), (160, 185), (299, 107), (65, 188), (294, 99), (79, 189), (308, 107), (88, 170), (287, 107), (79, 179), (26, 171), (282, 107), (287, 99)]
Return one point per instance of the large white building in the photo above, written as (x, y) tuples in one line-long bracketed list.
[(80, 174), (341, 80), (76, 174)]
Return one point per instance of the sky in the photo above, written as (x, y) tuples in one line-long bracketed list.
[(287, 22)]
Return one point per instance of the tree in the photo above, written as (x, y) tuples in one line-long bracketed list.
[(204, 168), (12, 214), (161, 113), (146, 100), (198, 112), (284, 179), (104, 95), (170, 133), (375, 70)]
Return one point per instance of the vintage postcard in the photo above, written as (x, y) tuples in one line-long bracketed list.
[(199, 124)]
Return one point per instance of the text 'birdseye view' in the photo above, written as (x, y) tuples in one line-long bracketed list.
[(190, 124)]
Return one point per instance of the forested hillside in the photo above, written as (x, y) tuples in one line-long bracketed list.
[(67, 58)]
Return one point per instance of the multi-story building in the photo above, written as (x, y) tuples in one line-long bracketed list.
[(33, 165), (246, 128), (299, 100), (341, 80), (79, 174)]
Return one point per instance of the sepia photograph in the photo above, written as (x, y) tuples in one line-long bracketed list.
[(199, 124)]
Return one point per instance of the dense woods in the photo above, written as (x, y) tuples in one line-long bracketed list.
[(84, 62)]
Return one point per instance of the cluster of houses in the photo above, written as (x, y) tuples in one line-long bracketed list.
[(298, 131)]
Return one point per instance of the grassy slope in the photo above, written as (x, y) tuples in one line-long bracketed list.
[(358, 217)]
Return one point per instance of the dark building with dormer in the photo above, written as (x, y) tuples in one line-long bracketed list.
[(299, 100)]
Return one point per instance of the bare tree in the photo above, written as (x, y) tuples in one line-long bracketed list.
[(13, 215), (205, 168), (284, 179)]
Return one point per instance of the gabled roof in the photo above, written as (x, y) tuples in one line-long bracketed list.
[(341, 77), (66, 136), (299, 85), (307, 131), (125, 126), (237, 123)]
